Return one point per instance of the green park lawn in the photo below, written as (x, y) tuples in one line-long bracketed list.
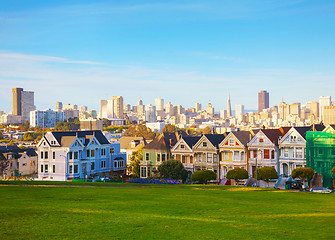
[(130, 211)]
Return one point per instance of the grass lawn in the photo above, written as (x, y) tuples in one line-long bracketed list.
[(130, 211)]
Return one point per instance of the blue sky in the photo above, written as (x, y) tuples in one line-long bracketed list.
[(184, 51)]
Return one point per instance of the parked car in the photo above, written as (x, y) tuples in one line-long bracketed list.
[(320, 190), (296, 185)]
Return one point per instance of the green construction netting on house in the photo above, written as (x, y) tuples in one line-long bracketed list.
[(320, 154)]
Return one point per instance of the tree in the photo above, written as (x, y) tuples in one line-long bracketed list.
[(206, 130), (333, 170), (4, 163), (203, 176), (173, 169), (237, 174), (266, 173), (303, 172), (139, 131), (169, 128), (1, 135), (135, 160)]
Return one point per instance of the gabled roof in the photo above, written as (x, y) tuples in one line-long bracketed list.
[(5, 150), (125, 142), (215, 139), (165, 141), (243, 136), (191, 141), (67, 138), (273, 134)]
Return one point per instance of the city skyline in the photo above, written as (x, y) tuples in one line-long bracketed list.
[(153, 49)]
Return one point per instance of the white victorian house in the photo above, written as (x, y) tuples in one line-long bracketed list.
[(292, 148), (264, 149), (75, 154)]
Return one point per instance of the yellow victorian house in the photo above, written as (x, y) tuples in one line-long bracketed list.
[(234, 151)]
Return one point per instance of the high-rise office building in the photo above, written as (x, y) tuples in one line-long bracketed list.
[(23, 103), (229, 114), (118, 106), (239, 110), (324, 102), (210, 110), (159, 103), (150, 113), (46, 118), (263, 100), (59, 106), (197, 107), (107, 109)]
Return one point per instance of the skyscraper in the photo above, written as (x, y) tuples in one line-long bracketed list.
[(210, 110), (239, 110), (229, 107), (118, 106), (59, 106), (106, 109), (263, 100), (197, 107), (150, 113), (324, 102), (159, 103), (23, 103)]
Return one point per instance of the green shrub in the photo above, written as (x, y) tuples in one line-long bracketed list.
[(173, 169), (237, 174), (203, 176)]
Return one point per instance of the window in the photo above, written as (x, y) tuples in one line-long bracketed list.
[(53, 155), (231, 142), (103, 164), (266, 154), (46, 155), (226, 155), (70, 168), (236, 155), (75, 168), (92, 166), (320, 151), (24, 164), (299, 153), (286, 153), (209, 157), (255, 153), (92, 153), (103, 152), (204, 144), (183, 159), (75, 155), (147, 156), (332, 151), (112, 150), (215, 158), (17, 165), (75, 143), (41, 168), (158, 157), (191, 159), (261, 140), (182, 146), (31, 163), (163, 157), (272, 154), (242, 156), (115, 164), (41, 155), (45, 168), (70, 155), (199, 157), (53, 168)]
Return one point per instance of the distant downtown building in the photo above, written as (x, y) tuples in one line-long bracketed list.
[(229, 113), (263, 100), (23, 103), (46, 118)]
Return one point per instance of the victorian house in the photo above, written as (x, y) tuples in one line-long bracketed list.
[(234, 151), (264, 149), (75, 154), (158, 151), (207, 154), (183, 152), (292, 148)]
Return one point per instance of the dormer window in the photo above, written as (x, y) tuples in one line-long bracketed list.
[(204, 144), (261, 140), (182, 146), (75, 143)]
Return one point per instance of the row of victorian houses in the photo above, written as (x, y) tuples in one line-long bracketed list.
[(62, 156), (283, 148)]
